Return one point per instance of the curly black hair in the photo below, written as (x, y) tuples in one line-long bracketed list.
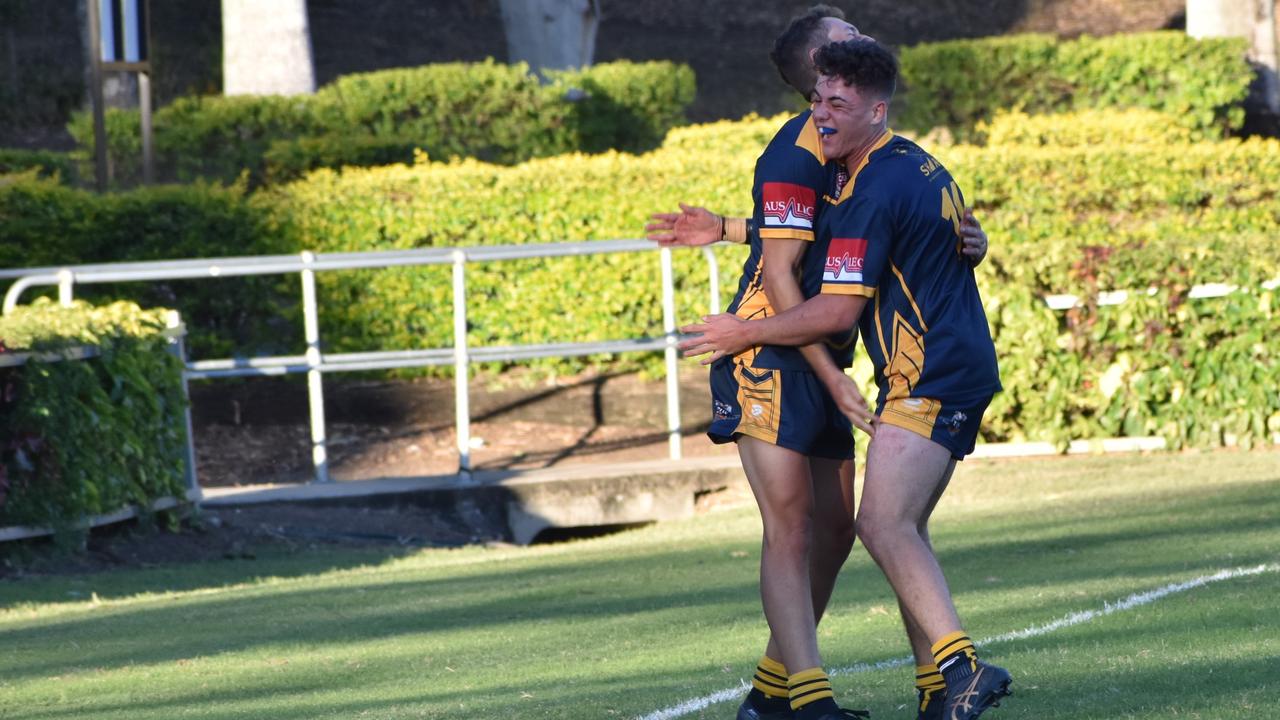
[(791, 50), (863, 63)]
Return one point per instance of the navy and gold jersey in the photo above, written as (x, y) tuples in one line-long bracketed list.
[(894, 237), (790, 177)]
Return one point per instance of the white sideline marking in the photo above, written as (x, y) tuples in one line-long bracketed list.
[(1076, 618)]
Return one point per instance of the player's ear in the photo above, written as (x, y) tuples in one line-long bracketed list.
[(879, 112)]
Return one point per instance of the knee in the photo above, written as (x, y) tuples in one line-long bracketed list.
[(793, 538), (878, 534)]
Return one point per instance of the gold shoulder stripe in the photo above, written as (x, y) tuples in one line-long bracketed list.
[(809, 140), (786, 234), (843, 289)]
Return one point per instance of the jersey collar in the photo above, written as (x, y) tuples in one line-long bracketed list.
[(847, 191)]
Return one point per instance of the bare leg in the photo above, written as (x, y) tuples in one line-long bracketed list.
[(784, 493), (905, 476), (921, 648), (833, 534)]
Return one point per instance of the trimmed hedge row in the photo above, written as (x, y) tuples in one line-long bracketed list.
[(1083, 128), (43, 223), (495, 112), (959, 83), (288, 160), (88, 437), (45, 163), (1075, 219)]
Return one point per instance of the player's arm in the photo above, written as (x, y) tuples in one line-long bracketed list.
[(781, 260), (695, 226), (805, 323)]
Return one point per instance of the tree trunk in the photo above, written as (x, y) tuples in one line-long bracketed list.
[(551, 34), (266, 48), (1254, 20)]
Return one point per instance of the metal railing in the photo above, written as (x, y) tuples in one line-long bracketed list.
[(315, 362)]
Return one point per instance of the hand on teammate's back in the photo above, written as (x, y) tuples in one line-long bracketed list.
[(973, 239), (693, 226)]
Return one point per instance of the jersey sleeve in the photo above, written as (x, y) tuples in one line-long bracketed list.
[(861, 239), (790, 183)]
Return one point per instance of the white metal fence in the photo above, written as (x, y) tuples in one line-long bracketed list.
[(315, 362)]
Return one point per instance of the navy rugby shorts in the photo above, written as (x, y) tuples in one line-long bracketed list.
[(787, 408), (953, 425)]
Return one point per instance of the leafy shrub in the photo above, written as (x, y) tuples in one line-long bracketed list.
[(289, 160), (1083, 128), (749, 135), (87, 437), (1079, 220), (43, 223), (625, 106), (46, 163), (124, 144), (488, 110), (957, 84), (1153, 218), (220, 137), (495, 112)]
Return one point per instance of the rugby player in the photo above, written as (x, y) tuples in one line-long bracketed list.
[(795, 444), (895, 268)]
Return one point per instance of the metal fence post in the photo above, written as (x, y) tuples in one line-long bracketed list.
[(671, 356), (315, 382), (714, 266), (178, 346), (461, 360), (66, 281)]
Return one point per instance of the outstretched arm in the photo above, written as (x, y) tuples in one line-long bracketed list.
[(694, 226)]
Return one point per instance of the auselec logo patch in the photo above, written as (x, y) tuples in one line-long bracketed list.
[(845, 257), (788, 205)]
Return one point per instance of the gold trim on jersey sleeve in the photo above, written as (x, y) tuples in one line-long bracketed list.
[(785, 234), (846, 289)]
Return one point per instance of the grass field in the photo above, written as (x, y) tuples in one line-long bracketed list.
[(649, 622)]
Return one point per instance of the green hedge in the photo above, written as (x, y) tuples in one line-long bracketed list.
[(1064, 220), (43, 223), (1123, 215), (1084, 128), (87, 437), (289, 160), (64, 167), (959, 83), (496, 112)]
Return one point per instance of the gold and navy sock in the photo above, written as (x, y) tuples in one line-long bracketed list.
[(929, 684), (956, 657), (811, 694), (769, 691)]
